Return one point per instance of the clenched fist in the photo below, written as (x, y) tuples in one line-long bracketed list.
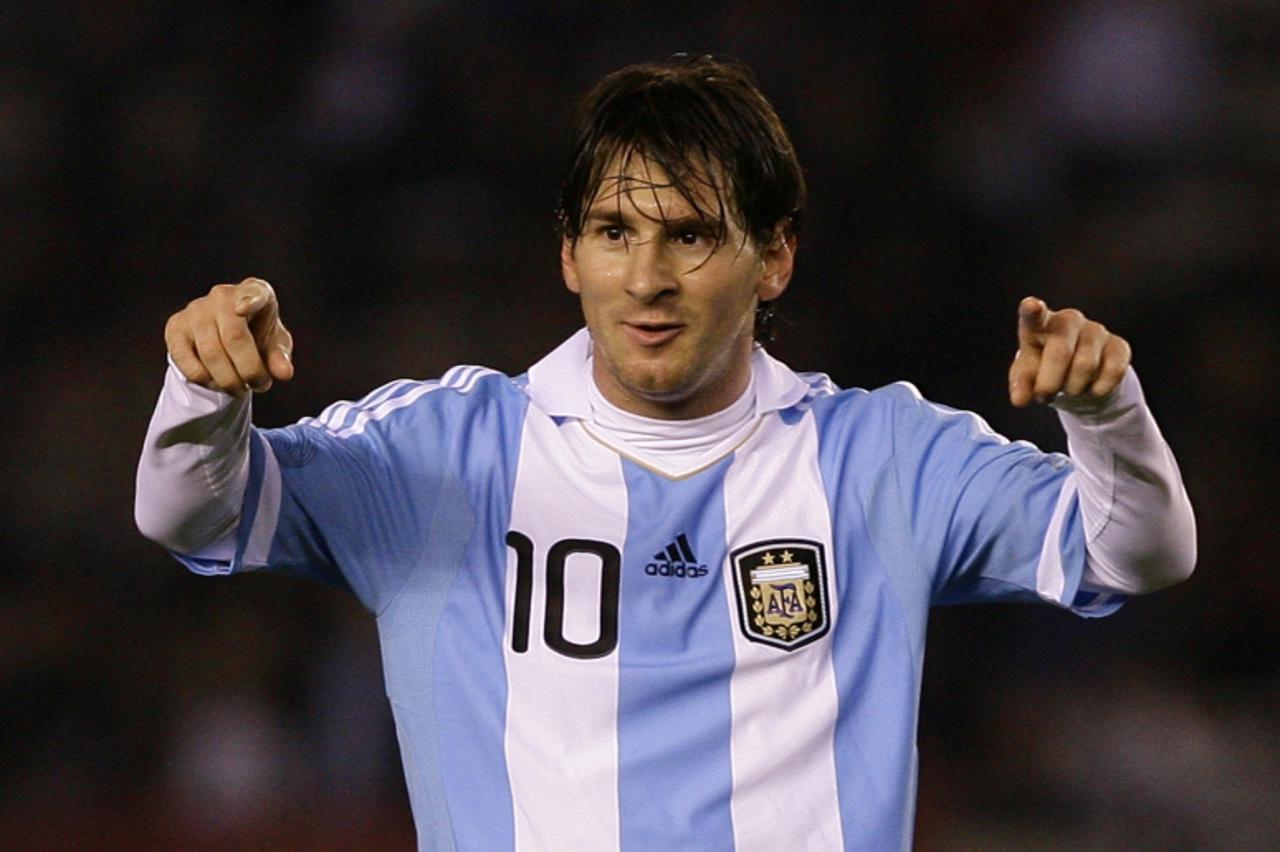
[(232, 339), (1064, 352)]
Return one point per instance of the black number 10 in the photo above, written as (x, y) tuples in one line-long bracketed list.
[(553, 621)]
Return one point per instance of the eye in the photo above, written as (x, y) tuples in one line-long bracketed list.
[(612, 233), (689, 238)]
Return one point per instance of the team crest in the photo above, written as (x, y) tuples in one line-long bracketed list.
[(782, 592)]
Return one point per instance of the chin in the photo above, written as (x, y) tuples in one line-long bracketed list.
[(658, 385)]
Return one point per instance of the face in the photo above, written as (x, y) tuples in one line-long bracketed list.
[(671, 313)]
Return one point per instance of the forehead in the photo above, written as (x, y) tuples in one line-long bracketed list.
[(696, 188)]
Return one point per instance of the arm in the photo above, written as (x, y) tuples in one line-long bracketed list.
[(194, 466), (1139, 526), (194, 469)]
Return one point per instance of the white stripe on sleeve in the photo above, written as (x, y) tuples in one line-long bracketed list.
[(1051, 579)]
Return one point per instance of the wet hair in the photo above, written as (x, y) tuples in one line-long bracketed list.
[(703, 121)]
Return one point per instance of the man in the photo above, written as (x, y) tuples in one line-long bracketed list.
[(661, 592)]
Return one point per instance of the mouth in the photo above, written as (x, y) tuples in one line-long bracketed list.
[(653, 333)]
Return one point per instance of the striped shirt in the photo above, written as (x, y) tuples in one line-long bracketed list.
[(585, 652)]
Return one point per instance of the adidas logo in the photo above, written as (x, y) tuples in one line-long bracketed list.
[(677, 560)]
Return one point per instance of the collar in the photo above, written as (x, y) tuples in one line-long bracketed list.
[(558, 384)]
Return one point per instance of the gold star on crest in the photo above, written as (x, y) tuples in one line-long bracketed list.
[(786, 556), (767, 559)]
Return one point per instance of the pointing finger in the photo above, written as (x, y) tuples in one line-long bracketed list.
[(1033, 321), (252, 295)]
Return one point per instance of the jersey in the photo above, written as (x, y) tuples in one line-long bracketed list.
[(582, 652)]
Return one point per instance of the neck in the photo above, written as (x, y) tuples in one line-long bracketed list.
[(673, 448)]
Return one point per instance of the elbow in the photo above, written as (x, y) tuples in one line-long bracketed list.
[(1168, 569), (148, 521), (156, 525), (1149, 557), (187, 532), (1172, 557), (1181, 551), (1187, 563)]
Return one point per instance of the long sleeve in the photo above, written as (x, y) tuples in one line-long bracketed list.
[(1139, 527), (194, 469)]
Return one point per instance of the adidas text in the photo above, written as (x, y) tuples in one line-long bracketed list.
[(674, 569)]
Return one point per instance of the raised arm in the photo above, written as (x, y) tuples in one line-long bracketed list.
[(1139, 526), (194, 464)]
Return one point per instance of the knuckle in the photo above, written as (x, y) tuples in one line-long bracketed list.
[(236, 333), (252, 368), (1086, 358), (195, 371), (1095, 334), (207, 344), (171, 330)]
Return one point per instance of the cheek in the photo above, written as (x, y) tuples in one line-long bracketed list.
[(737, 297), (597, 280)]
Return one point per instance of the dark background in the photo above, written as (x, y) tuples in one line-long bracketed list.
[(392, 168)]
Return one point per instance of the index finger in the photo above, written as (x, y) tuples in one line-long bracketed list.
[(252, 295), (1033, 321)]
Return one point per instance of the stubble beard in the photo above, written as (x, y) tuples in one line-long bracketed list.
[(674, 385)]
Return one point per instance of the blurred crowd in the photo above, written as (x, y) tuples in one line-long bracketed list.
[(392, 167)]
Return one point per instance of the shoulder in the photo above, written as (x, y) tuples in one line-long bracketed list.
[(829, 400), (910, 408), (461, 391), (901, 417)]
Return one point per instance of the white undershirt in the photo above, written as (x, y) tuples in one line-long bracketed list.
[(676, 448)]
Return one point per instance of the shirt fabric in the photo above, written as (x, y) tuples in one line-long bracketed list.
[(584, 651)]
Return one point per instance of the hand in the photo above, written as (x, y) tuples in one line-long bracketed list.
[(1064, 352), (232, 339)]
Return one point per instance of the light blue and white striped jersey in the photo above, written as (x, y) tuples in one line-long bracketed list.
[(583, 653)]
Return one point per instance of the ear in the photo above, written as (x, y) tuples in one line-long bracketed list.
[(569, 265), (779, 259)]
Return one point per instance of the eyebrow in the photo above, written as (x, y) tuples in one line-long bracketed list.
[(612, 214)]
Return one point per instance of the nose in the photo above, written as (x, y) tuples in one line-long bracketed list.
[(650, 272)]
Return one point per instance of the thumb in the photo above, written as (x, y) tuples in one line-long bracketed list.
[(1033, 321)]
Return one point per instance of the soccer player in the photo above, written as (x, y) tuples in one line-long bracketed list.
[(661, 591)]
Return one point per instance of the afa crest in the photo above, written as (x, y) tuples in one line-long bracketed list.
[(782, 592)]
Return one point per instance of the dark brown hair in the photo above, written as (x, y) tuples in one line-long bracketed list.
[(705, 122)]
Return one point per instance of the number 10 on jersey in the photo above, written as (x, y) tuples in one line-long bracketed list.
[(553, 581)]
